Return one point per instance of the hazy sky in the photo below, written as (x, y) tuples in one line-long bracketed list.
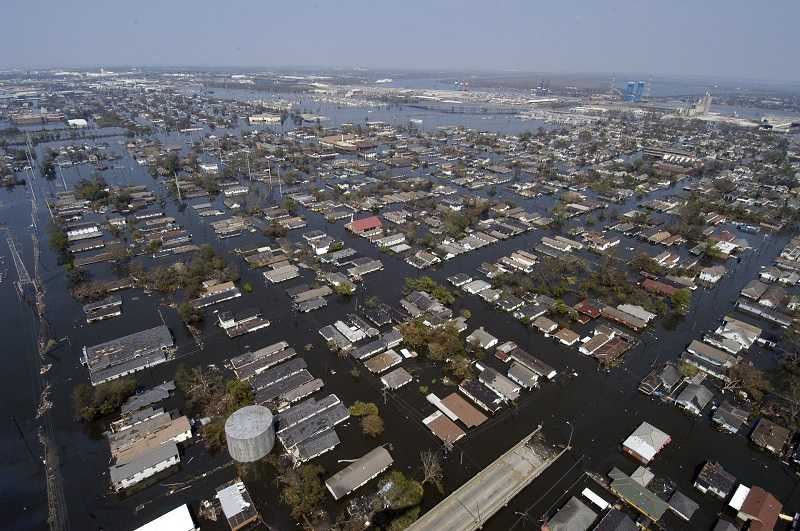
[(730, 38)]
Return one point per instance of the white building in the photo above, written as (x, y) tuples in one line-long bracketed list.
[(712, 274), (77, 123), (264, 119), (178, 519)]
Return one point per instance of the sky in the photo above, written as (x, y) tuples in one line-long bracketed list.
[(734, 39)]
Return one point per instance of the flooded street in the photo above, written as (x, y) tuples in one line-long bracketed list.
[(595, 409)]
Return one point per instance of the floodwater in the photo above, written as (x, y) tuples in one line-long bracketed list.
[(601, 408), (426, 119)]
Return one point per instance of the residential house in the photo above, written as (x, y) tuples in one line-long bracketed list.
[(662, 381), (694, 398), (754, 290), (774, 297), (770, 436), (683, 506), (481, 338), (645, 442), (716, 480), (573, 516), (709, 359), (712, 274), (742, 333), (730, 418), (759, 508)]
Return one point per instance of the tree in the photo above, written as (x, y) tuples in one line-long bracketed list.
[(57, 240), (460, 368), (431, 467), (361, 409), (400, 492), (189, 313), (372, 425), (687, 369), (789, 386), (91, 403), (440, 343), (344, 289), (214, 435), (644, 262), (83, 401), (681, 300), (204, 389), (238, 394), (430, 286), (746, 377), (94, 190), (302, 490), (713, 252), (405, 520)]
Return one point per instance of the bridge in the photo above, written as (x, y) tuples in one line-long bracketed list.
[(471, 505)]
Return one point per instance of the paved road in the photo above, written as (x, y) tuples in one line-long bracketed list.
[(488, 491)]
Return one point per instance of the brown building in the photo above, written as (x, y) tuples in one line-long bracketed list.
[(761, 509)]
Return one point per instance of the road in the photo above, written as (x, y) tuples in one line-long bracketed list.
[(469, 507)]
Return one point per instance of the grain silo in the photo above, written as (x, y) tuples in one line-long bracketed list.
[(250, 433)]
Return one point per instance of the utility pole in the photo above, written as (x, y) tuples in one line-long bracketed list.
[(22, 436), (61, 173), (571, 431), (178, 187)]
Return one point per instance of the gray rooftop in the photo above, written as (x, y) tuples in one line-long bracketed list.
[(159, 454), (396, 378), (148, 397), (359, 472), (573, 516), (127, 347)]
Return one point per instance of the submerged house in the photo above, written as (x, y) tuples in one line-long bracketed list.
[(694, 398), (757, 507), (645, 443), (481, 338), (662, 382), (359, 472), (770, 436), (716, 480), (128, 354), (730, 418)]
